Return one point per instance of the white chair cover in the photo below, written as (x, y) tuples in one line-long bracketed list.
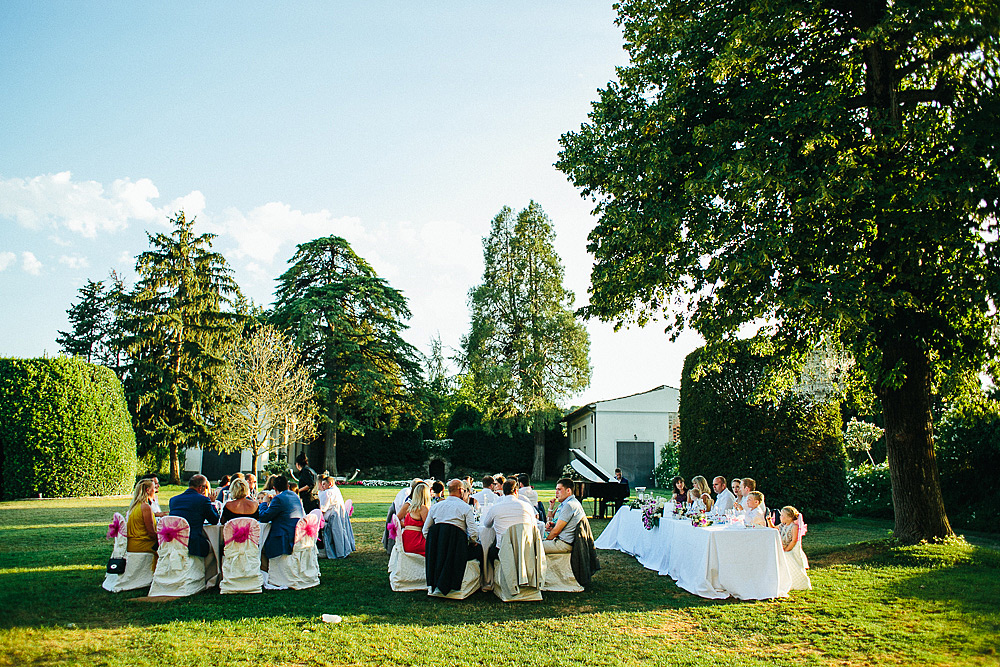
[(300, 569), (407, 572), (241, 557), (177, 572), (559, 574), (520, 571), (138, 566), (471, 581)]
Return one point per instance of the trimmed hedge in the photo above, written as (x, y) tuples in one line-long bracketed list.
[(65, 430), (791, 447), (377, 448)]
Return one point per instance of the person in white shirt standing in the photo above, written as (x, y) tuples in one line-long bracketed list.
[(526, 493), (724, 498), (506, 512)]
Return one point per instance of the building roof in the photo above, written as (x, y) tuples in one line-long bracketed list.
[(593, 406)]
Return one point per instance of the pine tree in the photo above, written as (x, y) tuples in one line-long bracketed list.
[(525, 347), (347, 323), (89, 319), (177, 328)]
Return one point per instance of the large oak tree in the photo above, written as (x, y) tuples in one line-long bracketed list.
[(816, 165)]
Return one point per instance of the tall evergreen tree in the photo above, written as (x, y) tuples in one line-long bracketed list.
[(89, 319), (525, 347), (821, 165), (347, 322), (178, 327)]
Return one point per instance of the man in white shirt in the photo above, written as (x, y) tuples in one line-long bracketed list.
[(526, 493), (724, 498), (506, 512), (486, 496), (455, 510)]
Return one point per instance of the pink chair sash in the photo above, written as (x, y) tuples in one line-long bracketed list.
[(349, 506), (319, 515), (307, 526), (116, 527), (393, 527), (800, 522), (241, 530), (173, 528)]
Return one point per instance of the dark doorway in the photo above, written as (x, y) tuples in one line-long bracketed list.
[(215, 464), (436, 469), (636, 459)]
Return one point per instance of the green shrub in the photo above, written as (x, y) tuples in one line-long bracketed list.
[(967, 443), (64, 430), (869, 491), (793, 448), (667, 468), (402, 447)]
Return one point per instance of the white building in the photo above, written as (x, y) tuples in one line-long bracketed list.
[(627, 432)]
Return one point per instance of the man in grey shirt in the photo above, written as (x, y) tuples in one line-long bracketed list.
[(562, 524)]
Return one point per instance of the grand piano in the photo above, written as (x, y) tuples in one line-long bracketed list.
[(599, 485)]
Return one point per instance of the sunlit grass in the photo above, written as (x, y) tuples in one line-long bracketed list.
[(873, 603)]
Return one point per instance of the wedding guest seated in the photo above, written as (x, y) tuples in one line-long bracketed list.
[(497, 487), (754, 513), (195, 506), (140, 522), (621, 480), (680, 490), (747, 484), (562, 523), (252, 484), (455, 510), (154, 503), (413, 515), (700, 486), (486, 496), (437, 491), (240, 503), (724, 499), (293, 486), (505, 513), (696, 504), (338, 534), (525, 491), (737, 489), (791, 529), (402, 496), (283, 513)]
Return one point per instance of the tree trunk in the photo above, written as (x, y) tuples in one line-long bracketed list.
[(538, 468), (916, 487), (331, 448), (175, 467)]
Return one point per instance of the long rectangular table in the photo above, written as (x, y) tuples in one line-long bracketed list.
[(711, 562)]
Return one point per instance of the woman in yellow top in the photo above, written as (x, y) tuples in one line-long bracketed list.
[(141, 525)]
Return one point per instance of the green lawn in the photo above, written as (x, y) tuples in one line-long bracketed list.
[(872, 603)]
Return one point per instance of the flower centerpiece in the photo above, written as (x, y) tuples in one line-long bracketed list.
[(678, 509), (652, 510), (699, 520)]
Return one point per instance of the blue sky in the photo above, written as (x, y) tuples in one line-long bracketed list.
[(403, 127)]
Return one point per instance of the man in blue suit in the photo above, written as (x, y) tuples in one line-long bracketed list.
[(195, 505), (283, 513)]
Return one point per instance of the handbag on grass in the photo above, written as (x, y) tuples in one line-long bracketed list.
[(116, 566)]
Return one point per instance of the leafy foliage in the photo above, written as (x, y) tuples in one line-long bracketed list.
[(348, 322), (64, 430), (822, 166), (525, 347), (96, 321), (793, 448), (178, 328)]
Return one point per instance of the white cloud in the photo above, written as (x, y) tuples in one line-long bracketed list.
[(74, 261), (30, 263), (56, 201), (6, 259)]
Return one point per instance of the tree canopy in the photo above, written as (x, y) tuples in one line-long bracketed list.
[(179, 325), (525, 348), (347, 321), (820, 167)]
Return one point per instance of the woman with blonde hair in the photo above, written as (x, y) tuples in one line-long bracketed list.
[(140, 525), (413, 514), (240, 504), (700, 485)]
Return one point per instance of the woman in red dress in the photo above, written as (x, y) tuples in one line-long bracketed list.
[(413, 513)]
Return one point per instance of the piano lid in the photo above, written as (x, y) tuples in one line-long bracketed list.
[(589, 468)]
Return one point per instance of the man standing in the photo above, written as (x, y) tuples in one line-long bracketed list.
[(195, 506), (504, 513), (562, 524), (724, 498), (525, 492), (456, 510)]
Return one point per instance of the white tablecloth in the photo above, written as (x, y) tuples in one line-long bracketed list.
[(713, 562)]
